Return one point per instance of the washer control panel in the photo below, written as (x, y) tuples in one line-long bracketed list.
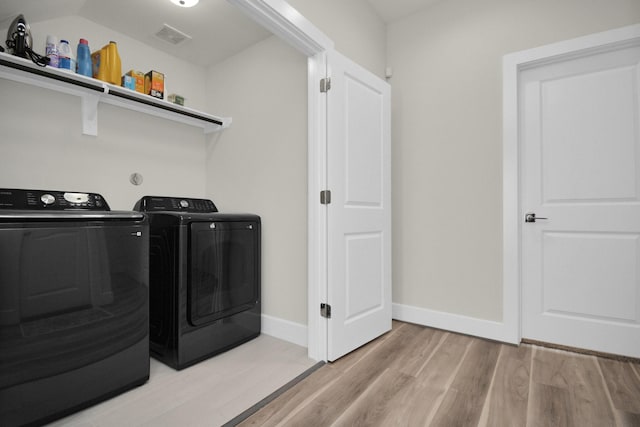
[(174, 204), (51, 199)]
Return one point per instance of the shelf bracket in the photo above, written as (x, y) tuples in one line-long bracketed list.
[(89, 111)]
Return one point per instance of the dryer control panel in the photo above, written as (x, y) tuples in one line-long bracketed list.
[(174, 204), (51, 200)]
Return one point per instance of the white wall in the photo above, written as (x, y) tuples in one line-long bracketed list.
[(259, 164), (447, 142), (354, 26), (42, 145), (446, 93)]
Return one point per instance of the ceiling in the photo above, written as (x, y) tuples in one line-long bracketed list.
[(217, 29), (390, 10)]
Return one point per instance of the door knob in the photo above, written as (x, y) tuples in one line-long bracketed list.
[(531, 217)]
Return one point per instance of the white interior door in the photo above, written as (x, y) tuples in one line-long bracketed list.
[(580, 142), (359, 215)]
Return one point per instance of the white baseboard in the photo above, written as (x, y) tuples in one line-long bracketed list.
[(296, 333), (453, 322), (286, 330)]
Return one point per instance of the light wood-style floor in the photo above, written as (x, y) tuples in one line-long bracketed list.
[(417, 376), (207, 394)]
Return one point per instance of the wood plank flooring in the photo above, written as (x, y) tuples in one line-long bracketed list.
[(417, 376)]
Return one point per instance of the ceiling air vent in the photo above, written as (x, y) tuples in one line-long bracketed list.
[(172, 35)]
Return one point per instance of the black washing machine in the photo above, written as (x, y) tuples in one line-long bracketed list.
[(204, 279), (74, 314)]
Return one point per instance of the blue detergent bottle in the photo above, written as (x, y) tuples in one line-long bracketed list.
[(84, 58)]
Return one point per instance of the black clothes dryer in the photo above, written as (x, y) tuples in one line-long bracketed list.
[(204, 279), (74, 313)]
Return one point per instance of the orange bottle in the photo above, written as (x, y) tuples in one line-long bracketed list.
[(106, 64)]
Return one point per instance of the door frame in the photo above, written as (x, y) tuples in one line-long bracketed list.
[(284, 21), (513, 64)]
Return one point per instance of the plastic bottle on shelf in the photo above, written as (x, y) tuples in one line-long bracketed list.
[(107, 64), (115, 66), (65, 57), (84, 58), (51, 51)]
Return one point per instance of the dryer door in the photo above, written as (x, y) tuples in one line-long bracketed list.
[(224, 269)]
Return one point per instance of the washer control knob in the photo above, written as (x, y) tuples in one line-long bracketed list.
[(184, 204), (47, 199)]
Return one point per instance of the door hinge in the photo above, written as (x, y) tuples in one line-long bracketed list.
[(325, 84), (325, 197), (325, 310)]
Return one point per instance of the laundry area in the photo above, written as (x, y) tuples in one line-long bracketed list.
[(122, 265), (204, 201)]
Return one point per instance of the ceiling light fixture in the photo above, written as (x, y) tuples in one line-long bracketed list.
[(185, 3)]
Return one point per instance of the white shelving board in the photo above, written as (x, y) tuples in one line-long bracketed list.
[(92, 91)]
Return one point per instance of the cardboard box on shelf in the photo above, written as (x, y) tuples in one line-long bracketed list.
[(128, 82), (154, 84), (176, 99), (138, 76)]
